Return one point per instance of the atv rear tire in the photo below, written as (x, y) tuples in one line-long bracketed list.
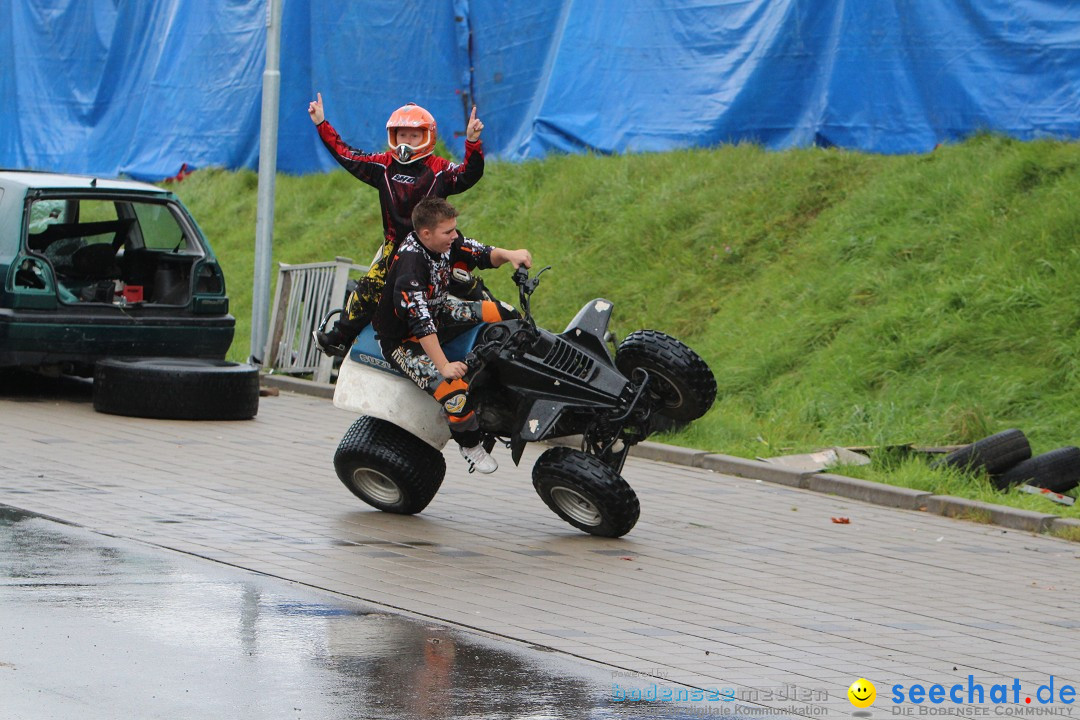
[(1057, 471), (995, 454), (176, 388), (682, 383), (389, 468), (585, 492)]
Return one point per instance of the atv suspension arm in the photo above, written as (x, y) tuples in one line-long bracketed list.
[(613, 430)]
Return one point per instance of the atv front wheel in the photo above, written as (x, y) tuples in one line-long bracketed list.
[(681, 382), (585, 492), (389, 468)]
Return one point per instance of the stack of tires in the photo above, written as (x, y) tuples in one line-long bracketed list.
[(1006, 458)]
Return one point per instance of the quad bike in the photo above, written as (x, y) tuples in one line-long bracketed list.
[(528, 385)]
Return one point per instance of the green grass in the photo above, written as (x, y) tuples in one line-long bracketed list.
[(913, 472), (840, 298), (1072, 534)]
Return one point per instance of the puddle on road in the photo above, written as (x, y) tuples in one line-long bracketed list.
[(96, 627)]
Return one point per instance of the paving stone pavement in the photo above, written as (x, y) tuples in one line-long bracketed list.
[(725, 582)]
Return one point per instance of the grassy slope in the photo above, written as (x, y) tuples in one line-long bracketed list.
[(840, 298)]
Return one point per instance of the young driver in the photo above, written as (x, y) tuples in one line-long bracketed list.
[(415, 303), (402, 177)]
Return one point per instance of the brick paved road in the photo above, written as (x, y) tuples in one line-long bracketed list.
[(724, 581)]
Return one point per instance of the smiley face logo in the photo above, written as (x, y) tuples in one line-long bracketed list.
[(862, 693)]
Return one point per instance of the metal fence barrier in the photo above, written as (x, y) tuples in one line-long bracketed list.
[(304, 294)]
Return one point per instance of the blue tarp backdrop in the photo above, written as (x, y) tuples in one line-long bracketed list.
[(126, 86)]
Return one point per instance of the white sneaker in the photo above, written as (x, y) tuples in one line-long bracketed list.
[(478, 459)]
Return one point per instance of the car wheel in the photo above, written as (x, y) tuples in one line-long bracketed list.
[(176, 388), (995, 454), (585, 492), (1057, 471), (387, 467), (682, 385)]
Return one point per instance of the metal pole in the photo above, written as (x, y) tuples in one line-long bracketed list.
[(264, 215)]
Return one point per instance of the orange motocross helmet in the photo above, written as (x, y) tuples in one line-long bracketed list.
[(411, 116)]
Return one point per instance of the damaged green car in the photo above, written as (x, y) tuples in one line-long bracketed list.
[(98, 269)]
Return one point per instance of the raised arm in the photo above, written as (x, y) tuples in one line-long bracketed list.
[(461, 177), (368, 167)]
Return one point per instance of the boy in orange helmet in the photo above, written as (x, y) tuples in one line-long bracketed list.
[(403, 176)]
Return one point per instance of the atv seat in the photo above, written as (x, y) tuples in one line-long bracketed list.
[(456, 343)]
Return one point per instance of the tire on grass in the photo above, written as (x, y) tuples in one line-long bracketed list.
[(387, 467), (1057, 471), (176, 388), (994, 454), (682, 383), (585, 492)]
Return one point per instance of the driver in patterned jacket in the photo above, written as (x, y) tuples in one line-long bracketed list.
[(415, 303)]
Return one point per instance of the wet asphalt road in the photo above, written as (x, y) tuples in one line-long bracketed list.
[(100, 627)]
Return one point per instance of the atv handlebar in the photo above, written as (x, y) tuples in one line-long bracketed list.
[(522, 280), (526, 287), (480, 354), (521, 274)]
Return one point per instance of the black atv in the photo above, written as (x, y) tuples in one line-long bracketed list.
[(528, 385)]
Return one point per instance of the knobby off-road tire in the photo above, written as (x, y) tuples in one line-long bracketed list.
[(995, 454), (682, 383), (389, 468), (1057, 471), (176, 388), (585, 492)]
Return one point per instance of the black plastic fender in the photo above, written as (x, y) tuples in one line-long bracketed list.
[(590, 326)]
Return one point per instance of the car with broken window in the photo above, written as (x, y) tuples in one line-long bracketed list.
[(98, 268)]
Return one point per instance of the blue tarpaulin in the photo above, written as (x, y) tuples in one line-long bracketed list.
[(126, 87)]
